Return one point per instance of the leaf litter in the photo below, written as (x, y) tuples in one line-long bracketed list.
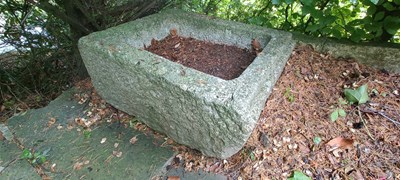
[(295, 135)]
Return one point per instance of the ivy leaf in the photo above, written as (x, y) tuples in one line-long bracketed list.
[(298, 175), (359, 96)]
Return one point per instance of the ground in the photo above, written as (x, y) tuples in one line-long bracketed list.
[(295, 130)]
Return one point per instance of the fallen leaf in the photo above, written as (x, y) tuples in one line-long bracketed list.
[(133, 140), (51, 122), (116, 145), (53, 168), (1, 136), (78, 166), (117, 153), (173, 32), (256, 45), (173, 178), (103, 140), (340, 142)]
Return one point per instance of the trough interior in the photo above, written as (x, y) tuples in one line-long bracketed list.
[(216, 59)]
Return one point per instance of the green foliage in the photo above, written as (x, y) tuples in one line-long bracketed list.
[(298, 175), (289, 95), (359, 96), (364, 20), (87, 133), (317, 140), (336, 113), (35, 158)]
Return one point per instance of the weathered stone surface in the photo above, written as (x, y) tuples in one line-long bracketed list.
[(382, 56), (207, 113), (76, 156)]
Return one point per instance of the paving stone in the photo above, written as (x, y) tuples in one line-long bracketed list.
[(78, 156), (11, 166)]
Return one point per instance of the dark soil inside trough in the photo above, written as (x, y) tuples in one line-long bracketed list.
[(223, 61)]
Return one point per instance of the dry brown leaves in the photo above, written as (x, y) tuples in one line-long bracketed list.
[(283, 141)]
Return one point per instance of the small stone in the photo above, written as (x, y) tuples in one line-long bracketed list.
[(264, 139), (59, 127)]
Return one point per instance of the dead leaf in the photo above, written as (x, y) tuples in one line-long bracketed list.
[(340, 142), (51, 122), (53, 168), (78, 165), (2, 108), (103, 140), (173, 32), (117, 153), (256, 45), (133, 140), (173, 178)]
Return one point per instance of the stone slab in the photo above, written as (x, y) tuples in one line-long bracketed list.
[(201, 111), (11, 166), (199, 175), (69, 148), (379, 55)]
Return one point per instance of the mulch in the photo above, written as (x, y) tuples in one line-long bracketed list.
[(220, 60)]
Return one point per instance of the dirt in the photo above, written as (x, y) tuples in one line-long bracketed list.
[(220, 60)]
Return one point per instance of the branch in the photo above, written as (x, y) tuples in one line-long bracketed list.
[(46, 6)]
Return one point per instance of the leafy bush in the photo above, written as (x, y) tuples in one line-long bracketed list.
[(363, 20)]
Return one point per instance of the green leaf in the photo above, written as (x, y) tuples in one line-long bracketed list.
[(379, 16), (342, 112), (289, 1), (371, 10), (359, 96), (298, 175), (363, 90), (276, 2), (26, 154), (317, 140), (374, 1), (391, 24), (388, 6), (307, 2), (252, 156), (334, 115)]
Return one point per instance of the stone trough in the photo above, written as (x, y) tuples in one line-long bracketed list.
[(204, 112)]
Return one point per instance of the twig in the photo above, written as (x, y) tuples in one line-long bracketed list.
[(368, 110), (8, 164), (390, 119), (365, 124)]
